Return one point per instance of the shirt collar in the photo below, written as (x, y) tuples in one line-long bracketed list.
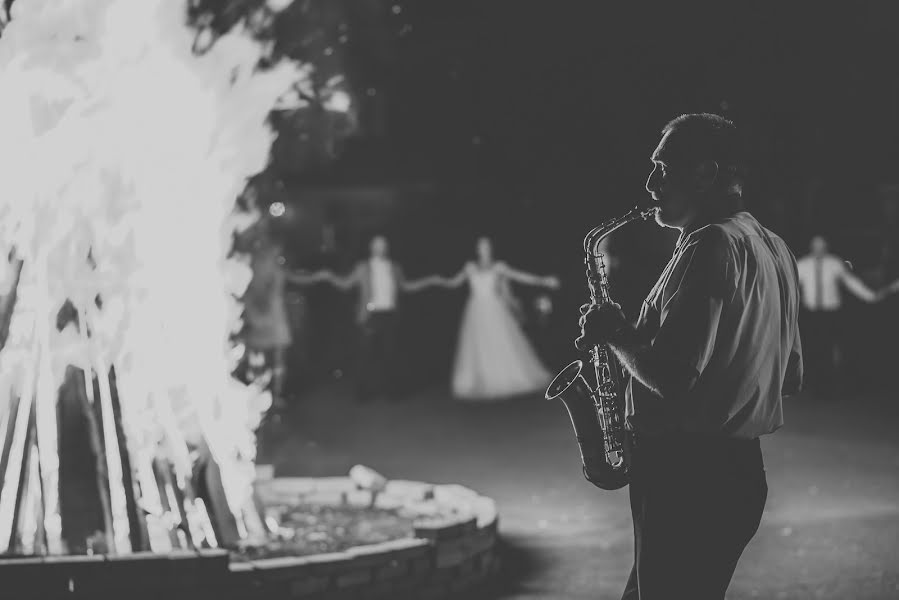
[(703, 222)]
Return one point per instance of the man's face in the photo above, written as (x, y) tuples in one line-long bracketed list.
[(672, 185), (484, 248), (379, 247)]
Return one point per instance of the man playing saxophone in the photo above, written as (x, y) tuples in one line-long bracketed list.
[(714, 350)]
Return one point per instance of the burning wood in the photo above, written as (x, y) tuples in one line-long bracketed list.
[(122, 153)]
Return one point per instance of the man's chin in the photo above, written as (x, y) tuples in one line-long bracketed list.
[(660, 218), (666, 222)]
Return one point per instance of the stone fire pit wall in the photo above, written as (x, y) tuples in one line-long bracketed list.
[(452, 554), (453, 551)]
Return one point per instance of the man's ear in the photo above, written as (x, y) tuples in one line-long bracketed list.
[(706, 174)]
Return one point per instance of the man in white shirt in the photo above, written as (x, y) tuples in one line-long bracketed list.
[(715, 350), (380, 282), (822, 278)]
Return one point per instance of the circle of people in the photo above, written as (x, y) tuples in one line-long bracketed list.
[(494, 358)]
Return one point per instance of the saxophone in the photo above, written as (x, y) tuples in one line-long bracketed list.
[(597, 415)]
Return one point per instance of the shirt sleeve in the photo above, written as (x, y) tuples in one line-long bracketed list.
[(700, 285)]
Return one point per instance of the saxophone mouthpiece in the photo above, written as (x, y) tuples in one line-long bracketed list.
[(646, 208)]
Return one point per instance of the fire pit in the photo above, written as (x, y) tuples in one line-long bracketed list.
[(448, 551), (451, 549), (308, 528), (127, 443)]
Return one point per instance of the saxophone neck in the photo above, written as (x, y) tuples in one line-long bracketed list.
[(597, 234)]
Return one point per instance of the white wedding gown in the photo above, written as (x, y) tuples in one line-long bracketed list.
[(494, 359)]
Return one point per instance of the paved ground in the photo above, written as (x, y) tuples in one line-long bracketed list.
[(830, 530)]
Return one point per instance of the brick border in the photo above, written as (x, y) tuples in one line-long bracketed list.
[(138, 576), (453, 553)]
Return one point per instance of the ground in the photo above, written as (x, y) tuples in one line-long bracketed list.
[(830, 528)]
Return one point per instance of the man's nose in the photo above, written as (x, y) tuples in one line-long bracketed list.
[(652, 182)]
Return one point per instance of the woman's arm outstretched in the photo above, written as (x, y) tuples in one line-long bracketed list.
[(343, 282), (526, 278)]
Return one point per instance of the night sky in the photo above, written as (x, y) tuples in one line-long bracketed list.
[(493, 89)]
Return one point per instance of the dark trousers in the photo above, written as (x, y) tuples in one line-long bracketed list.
[(378, 371), (696, 502), (821, 332)]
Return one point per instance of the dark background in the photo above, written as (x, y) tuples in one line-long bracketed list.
[(535, 91), (534, 121)]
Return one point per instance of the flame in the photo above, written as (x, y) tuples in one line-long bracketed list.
[(122, 153)]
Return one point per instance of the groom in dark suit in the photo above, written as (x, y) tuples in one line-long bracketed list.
[(380, 281)]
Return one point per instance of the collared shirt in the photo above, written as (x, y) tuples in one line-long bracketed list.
[(383, 285), (725, 309), (819, 279)]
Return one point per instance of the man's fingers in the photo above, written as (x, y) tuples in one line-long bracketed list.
[(580, 343), (585, 308)]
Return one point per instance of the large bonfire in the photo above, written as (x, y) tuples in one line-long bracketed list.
[(122, 151)]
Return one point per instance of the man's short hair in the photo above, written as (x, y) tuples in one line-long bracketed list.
[(706, 136)]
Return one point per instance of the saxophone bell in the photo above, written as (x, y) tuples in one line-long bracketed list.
[(571, 388)]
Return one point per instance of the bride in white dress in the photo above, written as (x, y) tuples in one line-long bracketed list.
[(494, 359)]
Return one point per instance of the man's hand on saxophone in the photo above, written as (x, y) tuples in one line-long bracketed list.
[(606, 324), (600, 324)]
